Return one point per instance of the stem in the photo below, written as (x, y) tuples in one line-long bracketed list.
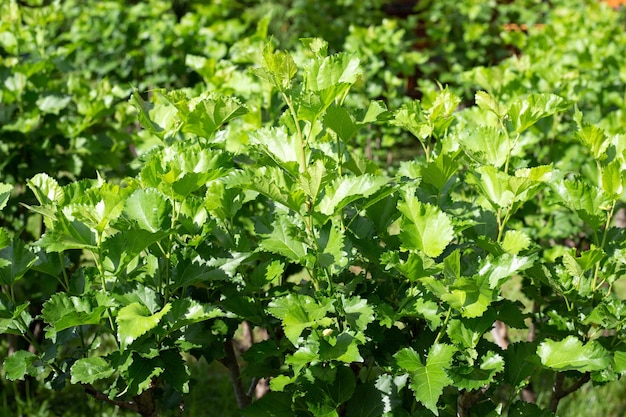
[(231, 363), (559, 392), (596, 272), (294, 115), (443, 328)]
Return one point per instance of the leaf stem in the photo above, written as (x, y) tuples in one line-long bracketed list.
[(444, 326), (294, 115)]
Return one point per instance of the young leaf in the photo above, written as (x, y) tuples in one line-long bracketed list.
[(297, 313), (345, 190), (209, 112), (515, 241), (424, 227), (89, 370), (150, 209), (134, 320), (5, 192), (486, 145), (571, 354), (19, 364), (427, 380), (284, 240), (527, 111)]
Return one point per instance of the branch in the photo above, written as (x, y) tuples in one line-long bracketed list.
[(231, 363), (558, 391), (143, 404)]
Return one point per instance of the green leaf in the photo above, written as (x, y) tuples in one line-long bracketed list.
[(20, 364), (141, 373), (515, 241), (209, 112), (424, 227), (277, 143), (52, 103), (62, 311), (135, 320), (595, 139), (527, 111), (471, 296), (613, 179), (89, 370), (46, 189), (272, 404), (367, 401), (494, 185), (5, 193), (427, 380), (504, 266), (278, 68), (341, 121), (323, 397), (486, 145), (488, 102), (285, 240), (150, 209), (571, 354), (297, 312), (475, 377), (21, 260), (586, 200), (345, 190)]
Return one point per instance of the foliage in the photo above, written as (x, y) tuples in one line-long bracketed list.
[(253, 233)]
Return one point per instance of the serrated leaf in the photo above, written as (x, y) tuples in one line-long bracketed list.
[(285, 240), (297, 313), (486, 145), (150, 209), (488, 102), (515, 241), (471, 296), (209, 112), (527, 111), (5, 193), (323, 398), (20, 261), (19, 364), (345, 190), (277, 143), (502, 267), (341, 122), (135, 320), (358, 313), (89, 370), (586, 200), (613, 179), (45, 188), (571, 354), (141, 373), (424, 227), (62, 311), (595, 140), (427, 380), (475, 377), (494, 185)]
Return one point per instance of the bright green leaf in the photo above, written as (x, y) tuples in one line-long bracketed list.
[(135, 320), (424, 227), (89, 370), (571, 354)]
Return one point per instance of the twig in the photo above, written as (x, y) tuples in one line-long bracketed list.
[(143, 404), (558, 392)]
